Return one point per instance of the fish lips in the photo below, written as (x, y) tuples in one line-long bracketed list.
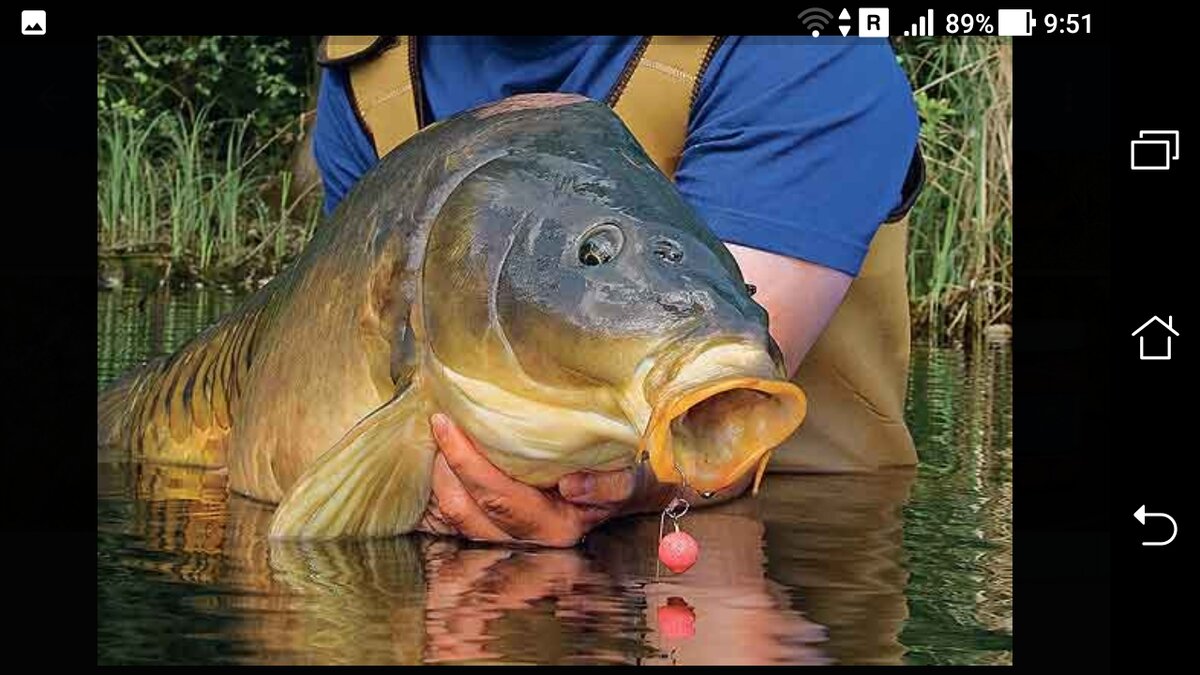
[(713, 434)]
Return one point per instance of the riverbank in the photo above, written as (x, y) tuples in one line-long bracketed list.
[(153, 265)]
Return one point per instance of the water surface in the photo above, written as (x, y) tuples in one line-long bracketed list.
[(894, 568)]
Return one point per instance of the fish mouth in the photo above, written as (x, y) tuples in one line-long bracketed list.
[(713, 434)]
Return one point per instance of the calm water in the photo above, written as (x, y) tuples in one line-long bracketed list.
[(895, 568)]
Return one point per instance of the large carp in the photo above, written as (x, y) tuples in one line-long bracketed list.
[(523, 267)]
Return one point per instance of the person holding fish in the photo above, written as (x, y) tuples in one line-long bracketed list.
[(799, 153), (632, 271)]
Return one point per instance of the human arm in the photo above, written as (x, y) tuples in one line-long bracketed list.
[(800, 298)]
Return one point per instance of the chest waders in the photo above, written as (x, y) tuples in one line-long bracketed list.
[(855, 375)]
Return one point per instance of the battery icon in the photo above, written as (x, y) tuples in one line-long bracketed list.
[(1016, 22)]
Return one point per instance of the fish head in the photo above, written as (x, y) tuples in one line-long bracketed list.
[(570, 269)]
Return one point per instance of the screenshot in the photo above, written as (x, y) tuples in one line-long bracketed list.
[(806, 346)]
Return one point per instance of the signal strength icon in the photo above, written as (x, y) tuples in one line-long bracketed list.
[(816, 19), (922, 27)]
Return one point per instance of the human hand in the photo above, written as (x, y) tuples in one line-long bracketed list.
[(473, 499)]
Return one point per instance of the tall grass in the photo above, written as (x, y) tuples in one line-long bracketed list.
[(960, 247), (191, 188), (188, 208), (229, 193), (126, 198)]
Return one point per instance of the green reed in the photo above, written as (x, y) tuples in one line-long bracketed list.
[(197, 190), (230, 191), (126, 197), (187, 205), (960, 237)]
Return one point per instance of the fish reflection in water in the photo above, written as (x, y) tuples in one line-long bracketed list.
[(831, 590)]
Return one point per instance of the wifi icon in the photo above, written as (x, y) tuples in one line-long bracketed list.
[(815, 19)]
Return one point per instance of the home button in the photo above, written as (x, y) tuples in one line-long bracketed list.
[(1154, 339)]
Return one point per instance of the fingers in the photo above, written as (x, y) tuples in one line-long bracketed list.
[(591, 516), (523, 512), (457, 508), (597, 497), (605, 488)]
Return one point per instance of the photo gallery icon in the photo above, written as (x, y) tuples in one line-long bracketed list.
[(33, 22)]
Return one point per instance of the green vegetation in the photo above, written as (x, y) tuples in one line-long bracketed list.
[(200, 165), (195, 139), (266, 78), (960, 237), (212, 209)]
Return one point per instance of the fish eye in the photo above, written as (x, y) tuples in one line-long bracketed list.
[(600, 244), (667, 251), (751, 289)]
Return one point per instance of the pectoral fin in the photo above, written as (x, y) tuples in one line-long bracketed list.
[(374, 482)]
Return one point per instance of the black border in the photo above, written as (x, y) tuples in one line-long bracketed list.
[(1062, 196), (1148, 411), (1077, 100), (48, 368)]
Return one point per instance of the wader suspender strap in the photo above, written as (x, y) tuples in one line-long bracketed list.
[(385, 86), (654, 95)]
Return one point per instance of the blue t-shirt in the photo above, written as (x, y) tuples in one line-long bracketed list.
[(796, 145)]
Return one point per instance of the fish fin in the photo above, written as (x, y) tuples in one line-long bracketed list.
[(374, 482), (762, 470)]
